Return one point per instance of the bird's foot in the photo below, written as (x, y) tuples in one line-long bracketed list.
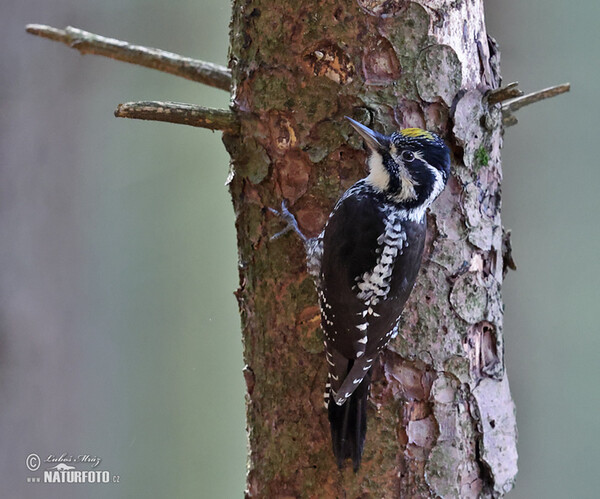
[(292, 223)]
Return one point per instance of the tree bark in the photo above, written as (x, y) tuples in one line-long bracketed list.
[(441, 419)]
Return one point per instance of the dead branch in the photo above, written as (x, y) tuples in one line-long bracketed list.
[(513, 105), (181, 113), (168, 62), (510, 91)]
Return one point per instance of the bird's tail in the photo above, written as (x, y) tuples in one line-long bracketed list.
[(349, 424)]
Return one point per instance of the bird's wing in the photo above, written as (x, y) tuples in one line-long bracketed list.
[(350, 243), (369, 265)]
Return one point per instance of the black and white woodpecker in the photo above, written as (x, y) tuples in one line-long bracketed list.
[(365, 262)]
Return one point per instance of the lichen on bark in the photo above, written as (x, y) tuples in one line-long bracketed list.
[(441, 420)]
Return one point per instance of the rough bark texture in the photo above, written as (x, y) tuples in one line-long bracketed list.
[(441, 419)]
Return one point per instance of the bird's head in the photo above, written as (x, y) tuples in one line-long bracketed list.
[(411, 167)]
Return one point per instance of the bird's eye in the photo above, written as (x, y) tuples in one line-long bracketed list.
[(407, 156)]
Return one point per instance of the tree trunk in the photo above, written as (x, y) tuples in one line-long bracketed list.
[(441, 419)]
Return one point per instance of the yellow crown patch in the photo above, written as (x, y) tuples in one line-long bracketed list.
[(417, 133)]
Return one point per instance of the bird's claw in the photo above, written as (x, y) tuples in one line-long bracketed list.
[(292, 223)]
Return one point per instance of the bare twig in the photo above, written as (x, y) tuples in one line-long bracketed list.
[(509, 120), (520, 102), (168, 62), (501, 94), (513, 105), (178, 112)]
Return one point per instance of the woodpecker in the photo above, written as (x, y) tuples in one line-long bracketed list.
[(365, 262)]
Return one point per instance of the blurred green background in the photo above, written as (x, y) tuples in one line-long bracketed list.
[(119, 333)]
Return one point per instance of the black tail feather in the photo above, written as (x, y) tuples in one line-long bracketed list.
[(349, 425)]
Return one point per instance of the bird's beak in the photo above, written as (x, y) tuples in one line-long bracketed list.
[(373, 139)]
